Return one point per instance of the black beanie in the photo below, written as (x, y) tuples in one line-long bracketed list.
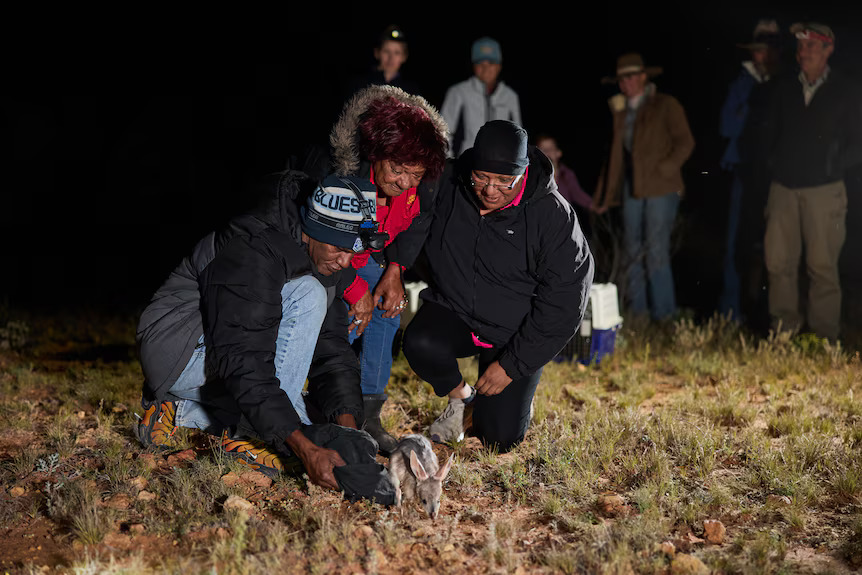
[(501, 148)]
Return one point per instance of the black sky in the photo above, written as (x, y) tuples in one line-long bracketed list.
[(129, 134)]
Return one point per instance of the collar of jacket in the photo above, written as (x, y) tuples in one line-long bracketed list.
[(803, 79), (751, 69), (344, 138), (646, 97), (539, 184), (274, 200), (478, 86), (619, 103)]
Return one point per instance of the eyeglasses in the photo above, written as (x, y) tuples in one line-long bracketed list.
[(480, 184)]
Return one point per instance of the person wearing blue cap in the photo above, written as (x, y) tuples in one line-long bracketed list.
[(468, 105), (509, 272), (228, 341)]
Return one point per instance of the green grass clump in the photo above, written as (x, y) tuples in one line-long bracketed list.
[(686, 421)]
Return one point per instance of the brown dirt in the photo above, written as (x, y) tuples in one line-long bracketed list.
[(39, 543), (35, 541)]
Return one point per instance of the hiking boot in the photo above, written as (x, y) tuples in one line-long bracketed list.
[(252, 453), (372, 404), (450, 425), (156, 428)]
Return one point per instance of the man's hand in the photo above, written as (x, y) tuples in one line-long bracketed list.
[(318, 461), (389, 293), (360, 313), (319, 464), (494, 380)]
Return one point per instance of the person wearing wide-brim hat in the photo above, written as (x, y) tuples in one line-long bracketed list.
[(630, 65), (743, 114), (651, 141), (766, 36)]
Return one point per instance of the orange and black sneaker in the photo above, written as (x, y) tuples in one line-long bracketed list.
[(156, 427), (252, 453)]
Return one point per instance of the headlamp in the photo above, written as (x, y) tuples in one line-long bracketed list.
[(369, 236)]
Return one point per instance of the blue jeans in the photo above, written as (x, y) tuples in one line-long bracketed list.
[(200, 400), (730, 296), (375, 355), (648, 223)]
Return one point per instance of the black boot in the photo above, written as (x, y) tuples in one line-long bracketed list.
[(373, 404)]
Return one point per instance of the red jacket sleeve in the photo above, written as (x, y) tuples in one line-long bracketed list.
[(354, 292)]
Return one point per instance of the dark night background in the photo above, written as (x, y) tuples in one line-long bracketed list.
[(130, 134)]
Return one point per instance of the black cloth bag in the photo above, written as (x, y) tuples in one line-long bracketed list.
[(362, 477)]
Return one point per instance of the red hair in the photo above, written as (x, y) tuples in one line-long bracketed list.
[(402, 133)]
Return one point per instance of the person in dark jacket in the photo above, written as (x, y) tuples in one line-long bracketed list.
[(814, 135), (509, 273), (743, 294), (390, 55), (228, 341)]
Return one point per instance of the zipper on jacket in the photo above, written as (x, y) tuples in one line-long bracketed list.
[(476, 259)]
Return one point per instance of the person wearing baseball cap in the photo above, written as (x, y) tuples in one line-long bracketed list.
[(813, 139), (509, 272), (229, 340), (483, 97)]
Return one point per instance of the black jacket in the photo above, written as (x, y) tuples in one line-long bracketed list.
[(229, 289), (375, 77), (816, 144), (519, 277)]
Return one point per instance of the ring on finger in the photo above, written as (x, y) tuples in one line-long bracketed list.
[(357, 321)]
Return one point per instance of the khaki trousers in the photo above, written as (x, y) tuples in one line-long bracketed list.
[(813, 217)]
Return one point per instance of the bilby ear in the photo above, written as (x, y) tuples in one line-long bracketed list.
[(417, 468), (444, 471)]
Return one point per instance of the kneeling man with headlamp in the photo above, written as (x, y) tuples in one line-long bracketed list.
[(229, 340)]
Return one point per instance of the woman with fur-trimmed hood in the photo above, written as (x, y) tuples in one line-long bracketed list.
[(399, 142)]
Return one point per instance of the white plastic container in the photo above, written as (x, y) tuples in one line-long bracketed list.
[(596, 335), (605, 309), (413, 301)]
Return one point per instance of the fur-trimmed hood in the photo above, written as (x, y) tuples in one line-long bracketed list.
[(344, 138)]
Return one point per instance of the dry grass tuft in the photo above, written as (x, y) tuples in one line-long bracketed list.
[(624, 461)]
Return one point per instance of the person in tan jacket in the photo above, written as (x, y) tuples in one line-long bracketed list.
[(651, 142)]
